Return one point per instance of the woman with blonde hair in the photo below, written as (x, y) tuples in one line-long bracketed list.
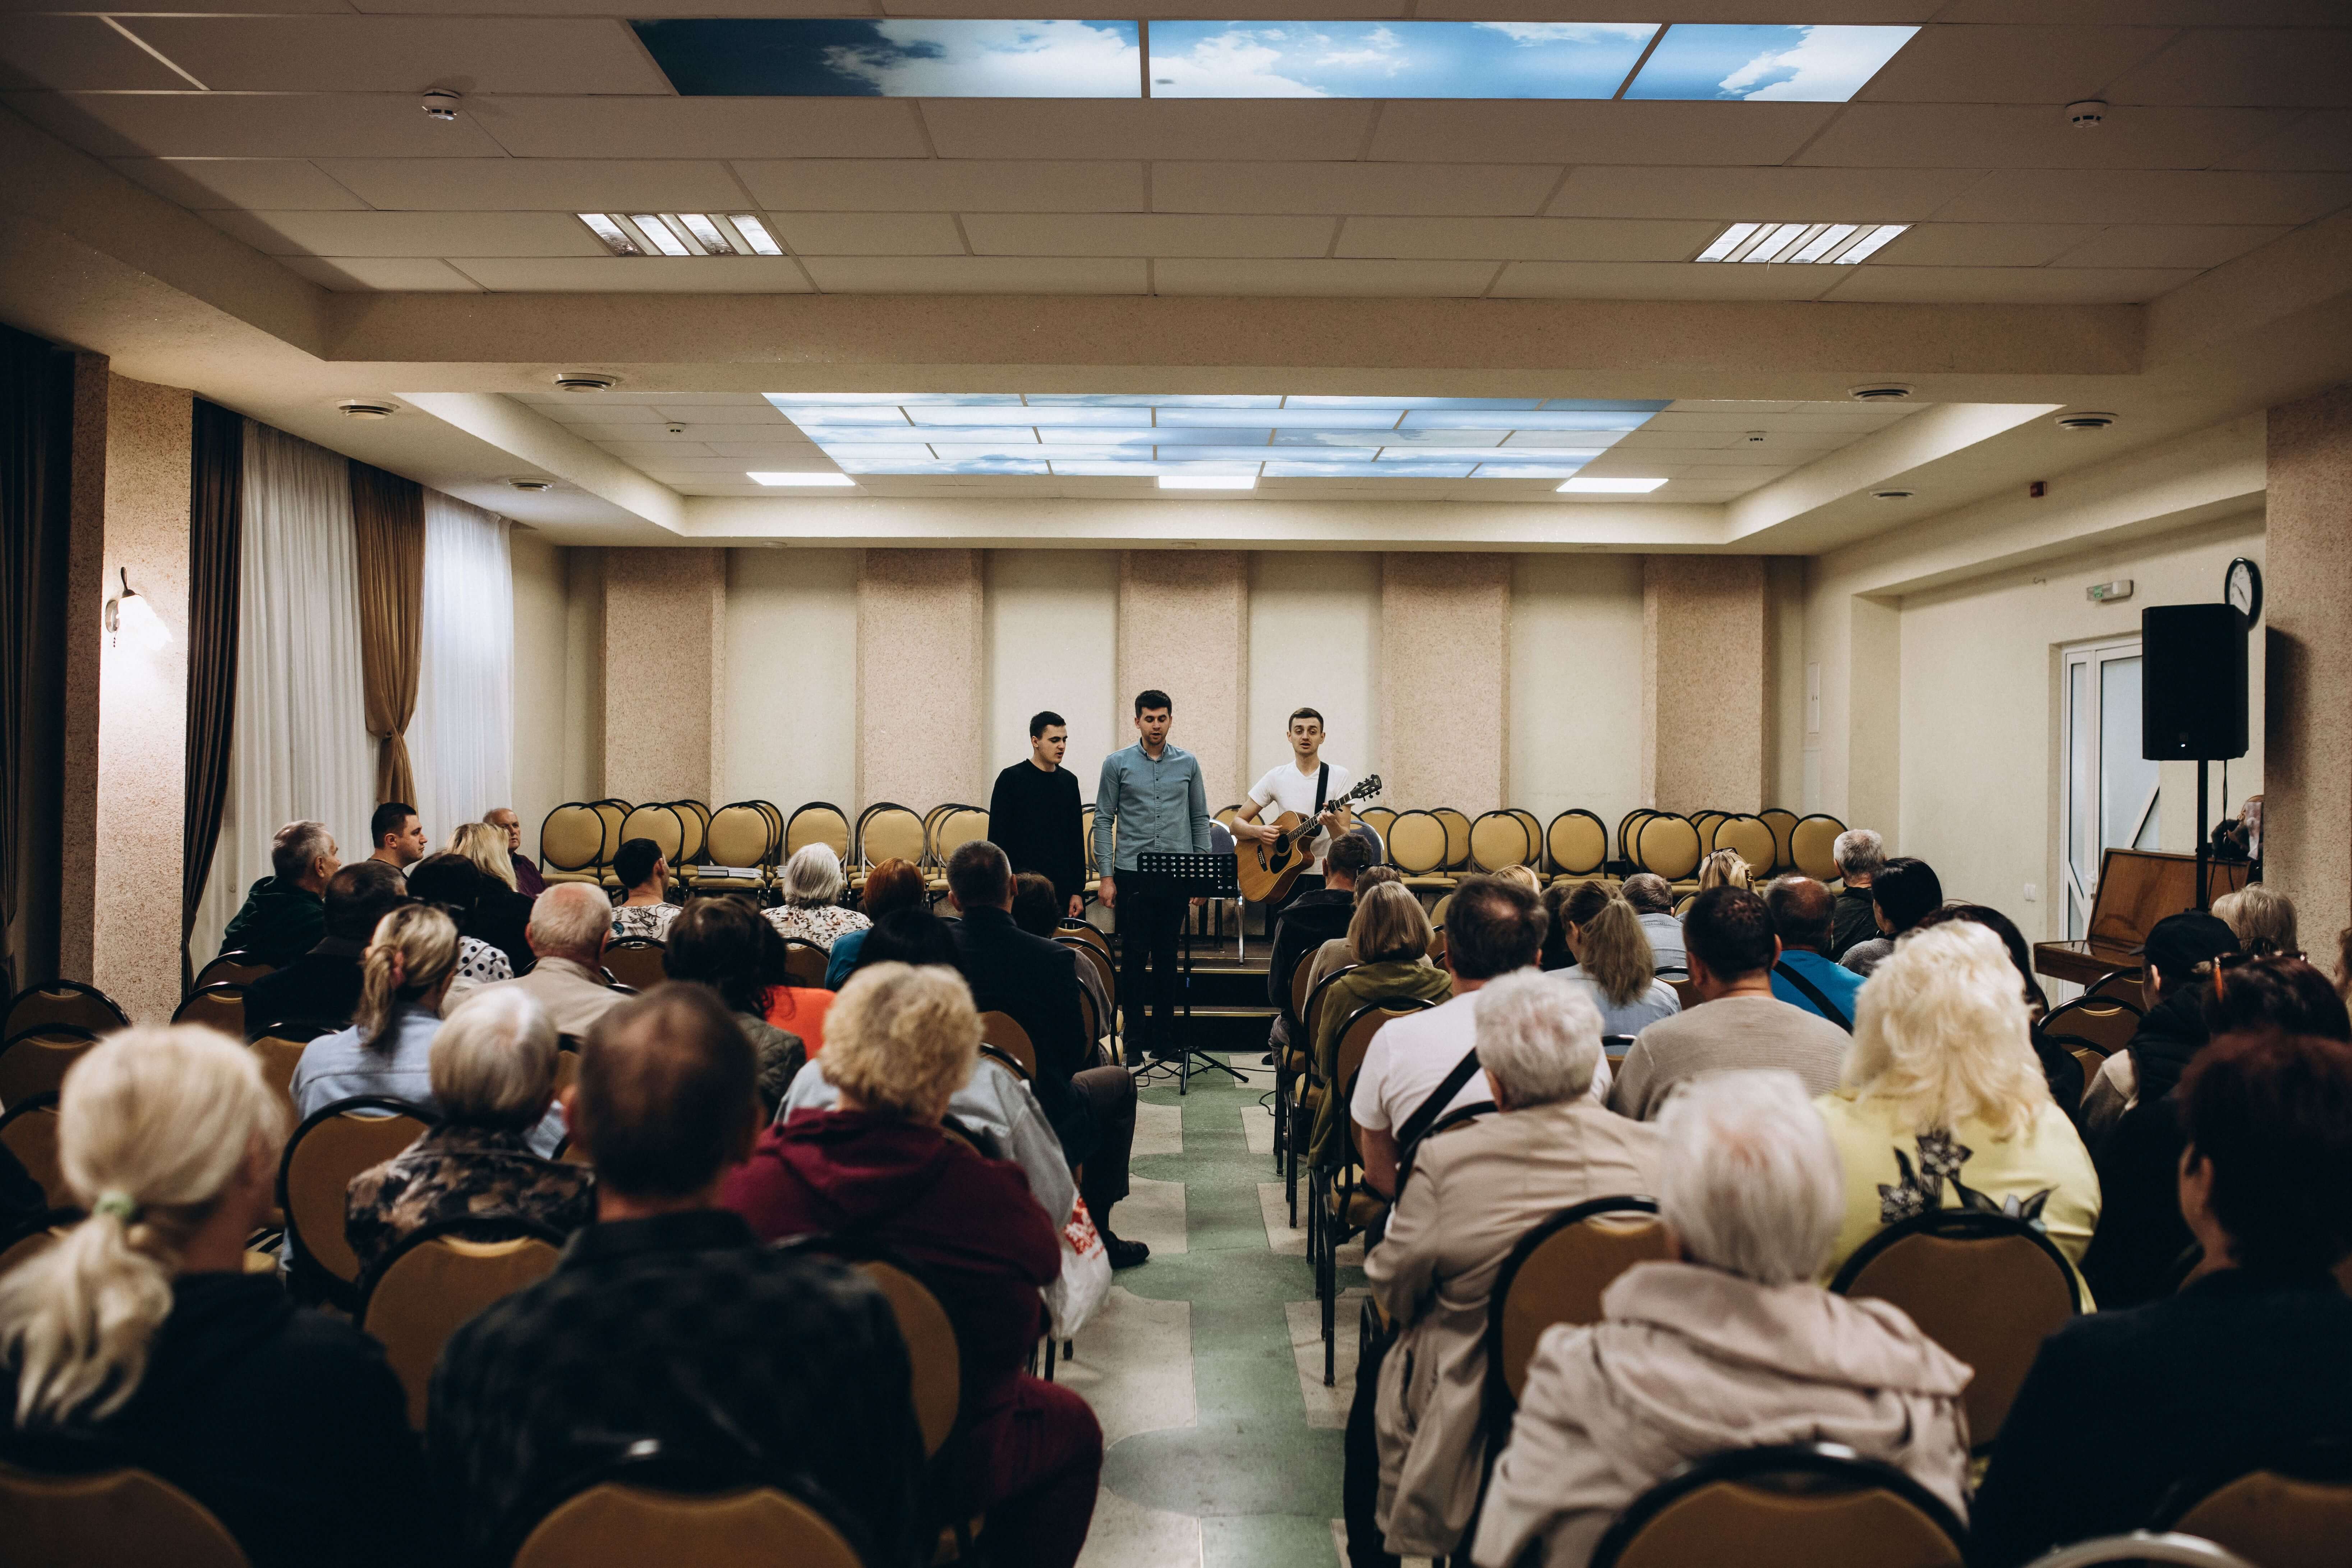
[(500, 915), (812, 910), (1617, 967), (139, 1335), (2261, 920), (1725, 868), (1390, 936), (1942, 1104)]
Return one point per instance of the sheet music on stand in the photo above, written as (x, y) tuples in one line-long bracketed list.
[(1214, 876)]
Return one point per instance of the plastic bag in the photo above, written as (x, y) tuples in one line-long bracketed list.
[(1086, 1274)]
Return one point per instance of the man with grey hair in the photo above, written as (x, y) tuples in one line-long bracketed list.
[(1731, 1344), (569, 926), (1859, 853), (284, 913), (1652, 898), (1468, 1197)]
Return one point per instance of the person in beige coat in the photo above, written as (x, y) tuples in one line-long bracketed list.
[(1473, 1192), (1733, 1346)]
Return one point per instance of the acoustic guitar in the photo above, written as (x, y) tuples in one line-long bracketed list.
[(1268, 869)]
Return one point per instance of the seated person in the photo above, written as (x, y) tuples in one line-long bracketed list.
[(1472, 1195), (1616, 967), (1569, 903), (2253, 1356), (1315, 916), (1338, 952), (1037, 906), (667, 1323), (1902, 894), (322, 986), (284, 915), (502, 913), (285, 1423), (1859, 853), (890, 886), (812, 910), (2059, 1067), (454, 883), (644, 910), (1732, 1346), (1726, 868), (2176, 957), (527, 878), (494, 1077), (1652, 898), (1943, 1104), (877, 1172), (2263, 920), (569, 924), (1389, 937), (719, 943), (1741, 1024), (1805, 977)]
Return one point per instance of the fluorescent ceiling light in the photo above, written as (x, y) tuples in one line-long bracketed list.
[(1208, 481), (1608, 487), (659, 234), (1727, 241), (699, 225), (1796, 244), (809, 478), (1869, 244), (616, 238), (755, 235)]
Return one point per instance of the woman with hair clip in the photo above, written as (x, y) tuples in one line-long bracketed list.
[(500, 915), (139, 1339), (1614, 963)]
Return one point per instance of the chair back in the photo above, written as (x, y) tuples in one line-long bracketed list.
[(2105, 1024), (635, 961), (1416, 842), (957, 826), (1301, 974), (1627, 826), (220, 1006), (34, 1062), (1005, 1032), (280, 1055), (1801, 1506), (1080, 931), (805, 962), (1378, 819), (1987, 1286), (1752, 837), (332, 1146), (741, 835), (694, 821), (2124, 984), (571, 837), (1686, 989), (1704, 822), (34, 1236), (1439, 911), (1783, 822), (888, 830), (1810, 842), (1501, 839), (932, 1352), (441, 1276), (67, 1002), (1555, 1274), (1666, 845), (818, 822), (113, 1518), (2141, 1546), (1313, 1006), (1356, 1034), (1097, 955), (2295, 1512), (240, 968), (28, 1130), (616, 1526), (663, 825), (1457, 835), (1578, 842)]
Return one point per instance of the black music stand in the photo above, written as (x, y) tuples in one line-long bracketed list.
[(1190, 876)]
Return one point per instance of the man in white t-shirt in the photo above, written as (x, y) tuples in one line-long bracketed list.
[(1493, 927), (1292, 787)]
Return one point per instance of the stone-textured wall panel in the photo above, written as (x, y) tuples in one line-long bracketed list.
[(664, 631), (920, 690), (2307, 616), (1183, 628), (1705, 650), (1445, 688)]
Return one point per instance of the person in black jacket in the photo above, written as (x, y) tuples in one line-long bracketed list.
[(1033, 813), (285, 1423), (2253, 1360), (1311, 919), (1034, 982), (322, 987), (281, 918)]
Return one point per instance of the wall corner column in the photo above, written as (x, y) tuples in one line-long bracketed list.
[(1706, 668), (1183, 628), (1445, 690), (663, 625), (2307, 626), (922, 687)]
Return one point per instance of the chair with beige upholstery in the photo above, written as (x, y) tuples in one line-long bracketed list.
[(241, 969), (440, 1276), (2295, 1512), (1338, 1208), (886, 830), (1752, 838), (571, 844), (332, 1146), (1417, 847), (1810, 844), (818, 822), (1782, 822), (740, 846), (1380, 819), (1501, 839), (34, 1062), (956, 827), (67, 1002), (1457, 837), (1002, 1031), (109, 1519), (664, 825), (1577, 844), (654, 1511), (220, 1006), (280, 1049), (1704, 822), (1666, 845), (1555, 1274), (804, 962), (1799, 1506), (1627, 826), (635, 962), (28, 1130)]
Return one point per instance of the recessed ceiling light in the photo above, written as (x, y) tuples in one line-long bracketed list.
[(1879, 392), (811, 477), (699, 225), (363, 408), (755, 235), (616, 239), (1208, 481), (1801, 244), (1608, 487), (659, 234), (2085, 420)]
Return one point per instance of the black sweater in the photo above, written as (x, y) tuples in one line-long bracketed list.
[(1032, 817)]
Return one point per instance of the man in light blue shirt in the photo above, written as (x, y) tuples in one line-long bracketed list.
[(1806, 977), (1149, 799)]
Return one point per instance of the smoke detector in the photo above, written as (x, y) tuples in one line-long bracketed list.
[(441, 104), (2082, 116), (1879, 392), (532, 486), (1756, 437), (365, 408), (584, 382), (1893, 495), (2085, 420), (675, 429)]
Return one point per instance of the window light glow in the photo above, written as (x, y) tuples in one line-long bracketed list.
[(1609, 487), (1838, 245), (659, 234), (808, 478), (1208, 481)]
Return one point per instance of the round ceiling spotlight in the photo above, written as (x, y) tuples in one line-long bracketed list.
[(584, 382), (532, 486), (1893, 495), (367, 408), (1879, 392), (2088, 420), (2082, 116), (441, 104)]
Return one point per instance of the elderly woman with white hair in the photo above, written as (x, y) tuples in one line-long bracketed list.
[(493, 1070), (1943, 1104), (812, 910), (1730, 1345), (1470, 1194)]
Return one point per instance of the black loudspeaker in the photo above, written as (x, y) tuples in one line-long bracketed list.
[(2193, 683)]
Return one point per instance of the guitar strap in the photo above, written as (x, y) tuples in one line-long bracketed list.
[(1322, 784)]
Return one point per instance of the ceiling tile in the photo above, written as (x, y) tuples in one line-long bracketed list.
[(656, 451), (2009, 285), (2306, 67), (1845, 422), (250, 125), (195, 7), (2017, 136), (702, 127), (868, 234), (2150, 196), (637, 274), (539, 184), (400, 274), (806, 453), (976, 275), (1302, 129), (2322, 140), (561, 8), (1658, 280), (411, 234), (275, 184), (1146, 234), (917, 184), (1528, 239), (1853, 12), (2149, 12), (1406, 188), (1982, 244), (1476, 132), (1324, 278), (2165, 245), (63, 52), (405, 54), (1732, 195), (2010, 65)]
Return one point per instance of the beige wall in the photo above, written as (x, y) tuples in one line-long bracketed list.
[(664, 673), (2307, 814), (1705, 628), (1183, 628), (1051, 643), (583, 677), (541, 677), (792, 676), (1576, 684), (1444, 703), (1314, 641), (919, 693)]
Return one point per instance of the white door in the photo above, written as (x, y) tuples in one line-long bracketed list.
[(2110, 799)]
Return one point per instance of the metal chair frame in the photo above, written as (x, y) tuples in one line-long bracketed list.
[(1829, 1461)]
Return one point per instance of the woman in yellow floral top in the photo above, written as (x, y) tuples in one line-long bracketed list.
[(811, 888)]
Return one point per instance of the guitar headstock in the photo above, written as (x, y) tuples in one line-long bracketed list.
[(1365, 790)]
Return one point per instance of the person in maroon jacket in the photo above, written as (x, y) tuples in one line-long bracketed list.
[(877, 1172)]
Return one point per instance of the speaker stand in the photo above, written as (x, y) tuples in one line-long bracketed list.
[(2204, 837)]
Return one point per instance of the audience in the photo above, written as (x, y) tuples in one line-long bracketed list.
[(1732, 1346), (1902, 892), (2180, 951), (1613, 967), (667, 1328), (395, 836), (812, 910), (877, 1175), (1525, 876), (723, 944), (322, 987), (1568, 903), (1725, 868), (1034, 982), (2060, 1070), (914, 937), (501, 915), (141, 1339), (1741, 1023), (2251, 1360), (1942, 1104), (644, 910), (890, 886), (1805, 977), (1470, 1197), (1388, 940), (493, 1076), (569, 924), (1338, 952), (2262, 921), (1314, 917), (1859, 853), (1037, 906), (454, 883), (284, 913), (1652, 898), (527, 879)]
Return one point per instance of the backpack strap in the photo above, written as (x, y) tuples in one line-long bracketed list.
[(1815, 995)]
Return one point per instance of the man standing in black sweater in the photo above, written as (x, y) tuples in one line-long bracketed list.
[(1033, 813)]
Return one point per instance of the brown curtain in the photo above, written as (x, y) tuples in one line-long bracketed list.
[(216, 532), (388, 519)]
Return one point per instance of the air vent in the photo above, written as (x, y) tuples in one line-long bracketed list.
[(2087, 420), (1879, 392), (584, 382), (2082, 116), (1893, 495), (363, 408), (533, 485)]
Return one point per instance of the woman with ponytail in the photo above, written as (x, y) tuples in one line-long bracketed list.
[(140, 1338)]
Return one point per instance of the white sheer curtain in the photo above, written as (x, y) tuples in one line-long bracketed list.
[(461, 740), (300, 747)]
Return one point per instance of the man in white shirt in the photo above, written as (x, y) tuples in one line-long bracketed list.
[(1493, 927), (1300, 786)]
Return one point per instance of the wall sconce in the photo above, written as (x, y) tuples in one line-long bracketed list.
[(131, 611)]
